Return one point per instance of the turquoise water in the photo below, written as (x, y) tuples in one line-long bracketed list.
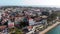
[(55, 30)]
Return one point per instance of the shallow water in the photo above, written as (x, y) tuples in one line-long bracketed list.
[(55, 30)]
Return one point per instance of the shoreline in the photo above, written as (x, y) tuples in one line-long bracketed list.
[(49, 28)]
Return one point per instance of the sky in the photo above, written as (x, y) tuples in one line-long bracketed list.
[(48, 3)]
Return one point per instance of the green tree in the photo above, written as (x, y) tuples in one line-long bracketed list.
[(52, 17)]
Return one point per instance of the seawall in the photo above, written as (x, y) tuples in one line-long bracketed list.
[(49, 28)]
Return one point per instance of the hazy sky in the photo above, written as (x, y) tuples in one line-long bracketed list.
[(52, 3)]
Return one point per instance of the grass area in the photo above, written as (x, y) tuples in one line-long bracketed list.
[(15, 31)]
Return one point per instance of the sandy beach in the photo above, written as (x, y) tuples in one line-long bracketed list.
[(49, 28)]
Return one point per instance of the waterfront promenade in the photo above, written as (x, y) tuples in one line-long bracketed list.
[(49, 28)]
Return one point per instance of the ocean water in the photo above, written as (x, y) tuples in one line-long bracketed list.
[(55, 30)]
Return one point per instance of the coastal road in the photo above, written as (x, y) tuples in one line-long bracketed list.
[(49, 28)]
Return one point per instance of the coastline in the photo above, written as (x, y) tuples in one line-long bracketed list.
[(49, 28)]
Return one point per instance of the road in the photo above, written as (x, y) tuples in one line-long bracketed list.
[(49, 28)]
